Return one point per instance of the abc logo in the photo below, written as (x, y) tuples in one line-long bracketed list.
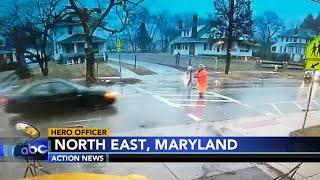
[(32, 150)]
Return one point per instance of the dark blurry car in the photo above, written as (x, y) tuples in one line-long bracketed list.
[(57, 95), (308, 75)]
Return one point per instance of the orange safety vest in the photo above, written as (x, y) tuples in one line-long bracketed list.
[(202, 80)]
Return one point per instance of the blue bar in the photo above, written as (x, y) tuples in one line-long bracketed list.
[(77, 157), (197, 145)]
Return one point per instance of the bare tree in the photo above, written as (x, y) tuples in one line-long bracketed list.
[(37, 19), (167, 29), (112, 18), (267, 26), (131, 30), (232, 21)]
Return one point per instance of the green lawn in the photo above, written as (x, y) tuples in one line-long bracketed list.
[(139, 70), (236, 65), (4, 74), (241, 69), (75, 71)]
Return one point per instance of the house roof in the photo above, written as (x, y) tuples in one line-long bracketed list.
[(203, 35), (302, 33), (296, 45), (80, 38), (201, 30), (187, 40)]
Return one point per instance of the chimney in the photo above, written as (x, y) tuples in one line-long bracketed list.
[(180, 24), (194, 25), (296, 30)]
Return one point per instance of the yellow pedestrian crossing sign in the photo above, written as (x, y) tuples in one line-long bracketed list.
[(313, 55), (118, 45)]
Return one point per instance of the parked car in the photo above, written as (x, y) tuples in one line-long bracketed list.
[(55, 95), (308, 75)]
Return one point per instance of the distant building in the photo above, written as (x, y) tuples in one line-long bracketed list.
[(293, 42), (69, 41), (197, 41), (7, 52)]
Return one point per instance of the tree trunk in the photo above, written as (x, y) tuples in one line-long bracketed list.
[(90, 71), (166, 44), (230, 37), (45, 69), (22, 70)]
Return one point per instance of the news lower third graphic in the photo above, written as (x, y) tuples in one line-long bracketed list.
[(96, 145)]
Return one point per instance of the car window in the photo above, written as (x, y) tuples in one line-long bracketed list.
[(39, 90), (61, 88)]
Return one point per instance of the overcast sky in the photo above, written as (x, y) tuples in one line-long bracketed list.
[(292, 11)]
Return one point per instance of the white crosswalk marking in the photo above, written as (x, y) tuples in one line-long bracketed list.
[(194, 117), (179, 98)]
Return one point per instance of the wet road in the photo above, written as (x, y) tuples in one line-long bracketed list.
[(161, 100)]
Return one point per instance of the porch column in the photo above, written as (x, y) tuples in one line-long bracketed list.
[(75, 48)]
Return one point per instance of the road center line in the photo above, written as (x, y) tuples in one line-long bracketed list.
[(194, 117), (276, 108), (298, 105), (85, 120), (166, 101)]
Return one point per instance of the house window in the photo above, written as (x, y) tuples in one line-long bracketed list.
[(95, 47), (69, 48), (273, 49), (185, 46), (210, 46), (178, 46), (205, 46), (281, 49), (287, 39), (218, 49), (80, 48), (282, 39), (70, 30), (295, 40), (285, 49), (56, 48), (244, 49), (298, 50)]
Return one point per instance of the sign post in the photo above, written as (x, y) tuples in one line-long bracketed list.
[(312, 63), (119, 48)]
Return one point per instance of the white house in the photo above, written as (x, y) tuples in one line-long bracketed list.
[(197, 41), (69, 41), (293, 42)]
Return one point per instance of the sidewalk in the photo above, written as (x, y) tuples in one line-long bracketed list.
[(275, 126), (260, 126)]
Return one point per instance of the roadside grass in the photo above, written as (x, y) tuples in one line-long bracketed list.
[(75, 71), (236, 65), (241, 70), (139, 70), (4, 74), (310, 131)]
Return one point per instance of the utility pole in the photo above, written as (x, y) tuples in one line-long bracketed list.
[(230, 35)]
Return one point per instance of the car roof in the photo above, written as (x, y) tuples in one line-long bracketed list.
[(26, 87)]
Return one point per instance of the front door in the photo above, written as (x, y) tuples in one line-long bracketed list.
[(191, 49)]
